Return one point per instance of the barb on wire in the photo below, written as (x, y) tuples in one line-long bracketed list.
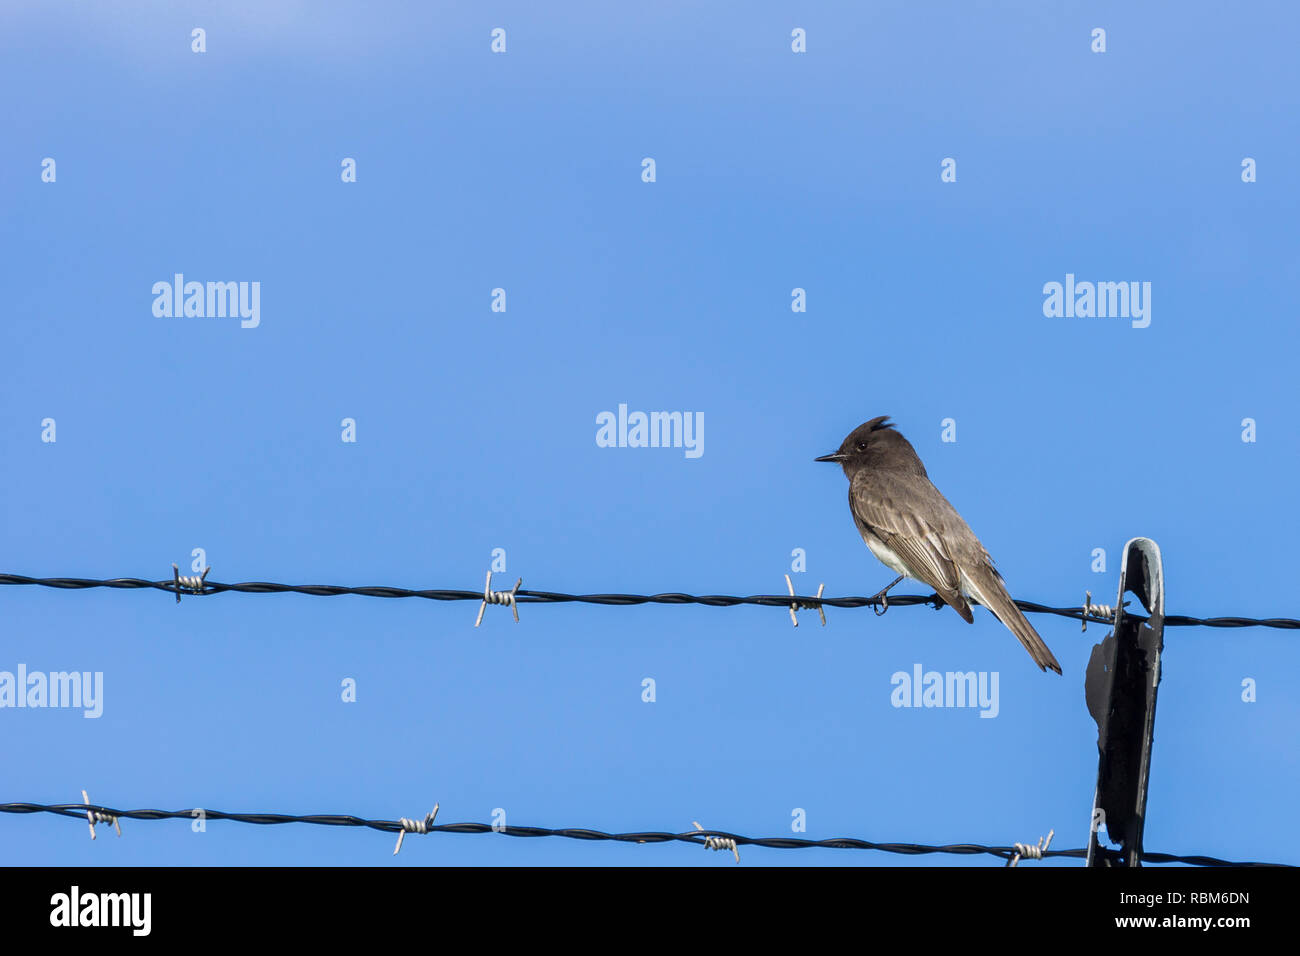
[(98, 816), (698, 837), (1031, 851), (797, 605), (1093, 611), (718, 842), (190, 584), (622, 600), (498, 597), (414, 826)]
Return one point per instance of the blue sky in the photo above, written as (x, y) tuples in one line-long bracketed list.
[(477, 429)]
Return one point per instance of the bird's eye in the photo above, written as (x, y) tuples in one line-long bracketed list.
[(862, 446)]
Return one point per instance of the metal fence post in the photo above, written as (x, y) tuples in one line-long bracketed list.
[(1121, 683)]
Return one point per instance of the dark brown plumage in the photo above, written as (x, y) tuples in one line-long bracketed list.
[(914, 530)]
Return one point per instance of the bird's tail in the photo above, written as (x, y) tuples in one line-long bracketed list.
[(986, 586)]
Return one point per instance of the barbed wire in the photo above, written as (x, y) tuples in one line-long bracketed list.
[(201, 587), (701, 837), (712, 839)]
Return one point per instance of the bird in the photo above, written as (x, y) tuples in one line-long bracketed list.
[(913, 530)]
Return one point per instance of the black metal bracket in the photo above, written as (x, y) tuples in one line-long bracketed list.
[(1121, 683)]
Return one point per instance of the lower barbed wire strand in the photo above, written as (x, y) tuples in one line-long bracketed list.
[(79, 810)]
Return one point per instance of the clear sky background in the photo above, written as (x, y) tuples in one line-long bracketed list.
[(476, 430)]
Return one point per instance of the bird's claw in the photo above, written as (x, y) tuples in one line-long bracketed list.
[(883, 597)]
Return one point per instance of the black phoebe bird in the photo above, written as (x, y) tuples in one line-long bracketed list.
[(913, 529)]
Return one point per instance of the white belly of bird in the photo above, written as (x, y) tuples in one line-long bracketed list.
[(885, 554)]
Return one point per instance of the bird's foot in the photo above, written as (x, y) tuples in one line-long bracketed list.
[(883, 597)]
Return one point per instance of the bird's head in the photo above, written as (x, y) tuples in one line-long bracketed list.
[(874, 444)]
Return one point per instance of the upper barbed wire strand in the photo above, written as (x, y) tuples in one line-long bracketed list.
[(618, 600)]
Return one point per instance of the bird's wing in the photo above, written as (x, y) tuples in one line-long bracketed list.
[(916, 538), (923, 531)]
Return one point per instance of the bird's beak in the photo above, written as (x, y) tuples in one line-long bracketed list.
[(833, 457)]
